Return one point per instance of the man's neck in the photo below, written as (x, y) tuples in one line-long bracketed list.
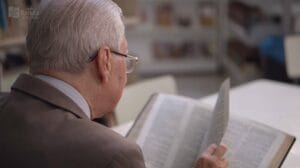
[(91, 91), (69, 91)]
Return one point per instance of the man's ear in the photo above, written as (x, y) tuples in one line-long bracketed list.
[(103, 63)]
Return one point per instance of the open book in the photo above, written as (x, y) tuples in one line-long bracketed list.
[(174, 130)]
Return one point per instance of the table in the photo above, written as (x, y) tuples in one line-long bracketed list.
[(272, 103)]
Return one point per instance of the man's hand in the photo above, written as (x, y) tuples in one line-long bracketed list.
[(213, 157)]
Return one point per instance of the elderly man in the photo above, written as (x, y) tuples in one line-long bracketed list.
[(78, 64)]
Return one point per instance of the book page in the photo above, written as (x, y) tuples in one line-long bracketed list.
[(219, 118), (252, 144), (173, 132), (192, 138)]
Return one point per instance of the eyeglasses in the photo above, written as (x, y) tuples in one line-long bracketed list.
[(131, 61)]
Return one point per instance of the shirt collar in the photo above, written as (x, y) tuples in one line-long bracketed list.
[(69, 91)]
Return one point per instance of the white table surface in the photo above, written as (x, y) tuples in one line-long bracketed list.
[(272, 103)]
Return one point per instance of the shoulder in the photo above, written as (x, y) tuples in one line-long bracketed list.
[(63, 139)]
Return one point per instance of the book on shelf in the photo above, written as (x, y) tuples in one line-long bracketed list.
[(173, 131)]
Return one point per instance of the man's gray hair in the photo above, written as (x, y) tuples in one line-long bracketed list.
[(67, 32)]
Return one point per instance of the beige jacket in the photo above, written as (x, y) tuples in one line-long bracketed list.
[(41, 127)]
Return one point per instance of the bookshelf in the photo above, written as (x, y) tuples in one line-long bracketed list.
[(176, 36), (286, 9), (12, 41), (16, 15)]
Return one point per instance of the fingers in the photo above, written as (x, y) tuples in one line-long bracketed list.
[(211, 149), (220, 151), (212, 157), (206, 161)]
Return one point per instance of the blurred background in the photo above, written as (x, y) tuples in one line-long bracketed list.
[(198, 42)]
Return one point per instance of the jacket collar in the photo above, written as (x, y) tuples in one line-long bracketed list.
[(42, 90)]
